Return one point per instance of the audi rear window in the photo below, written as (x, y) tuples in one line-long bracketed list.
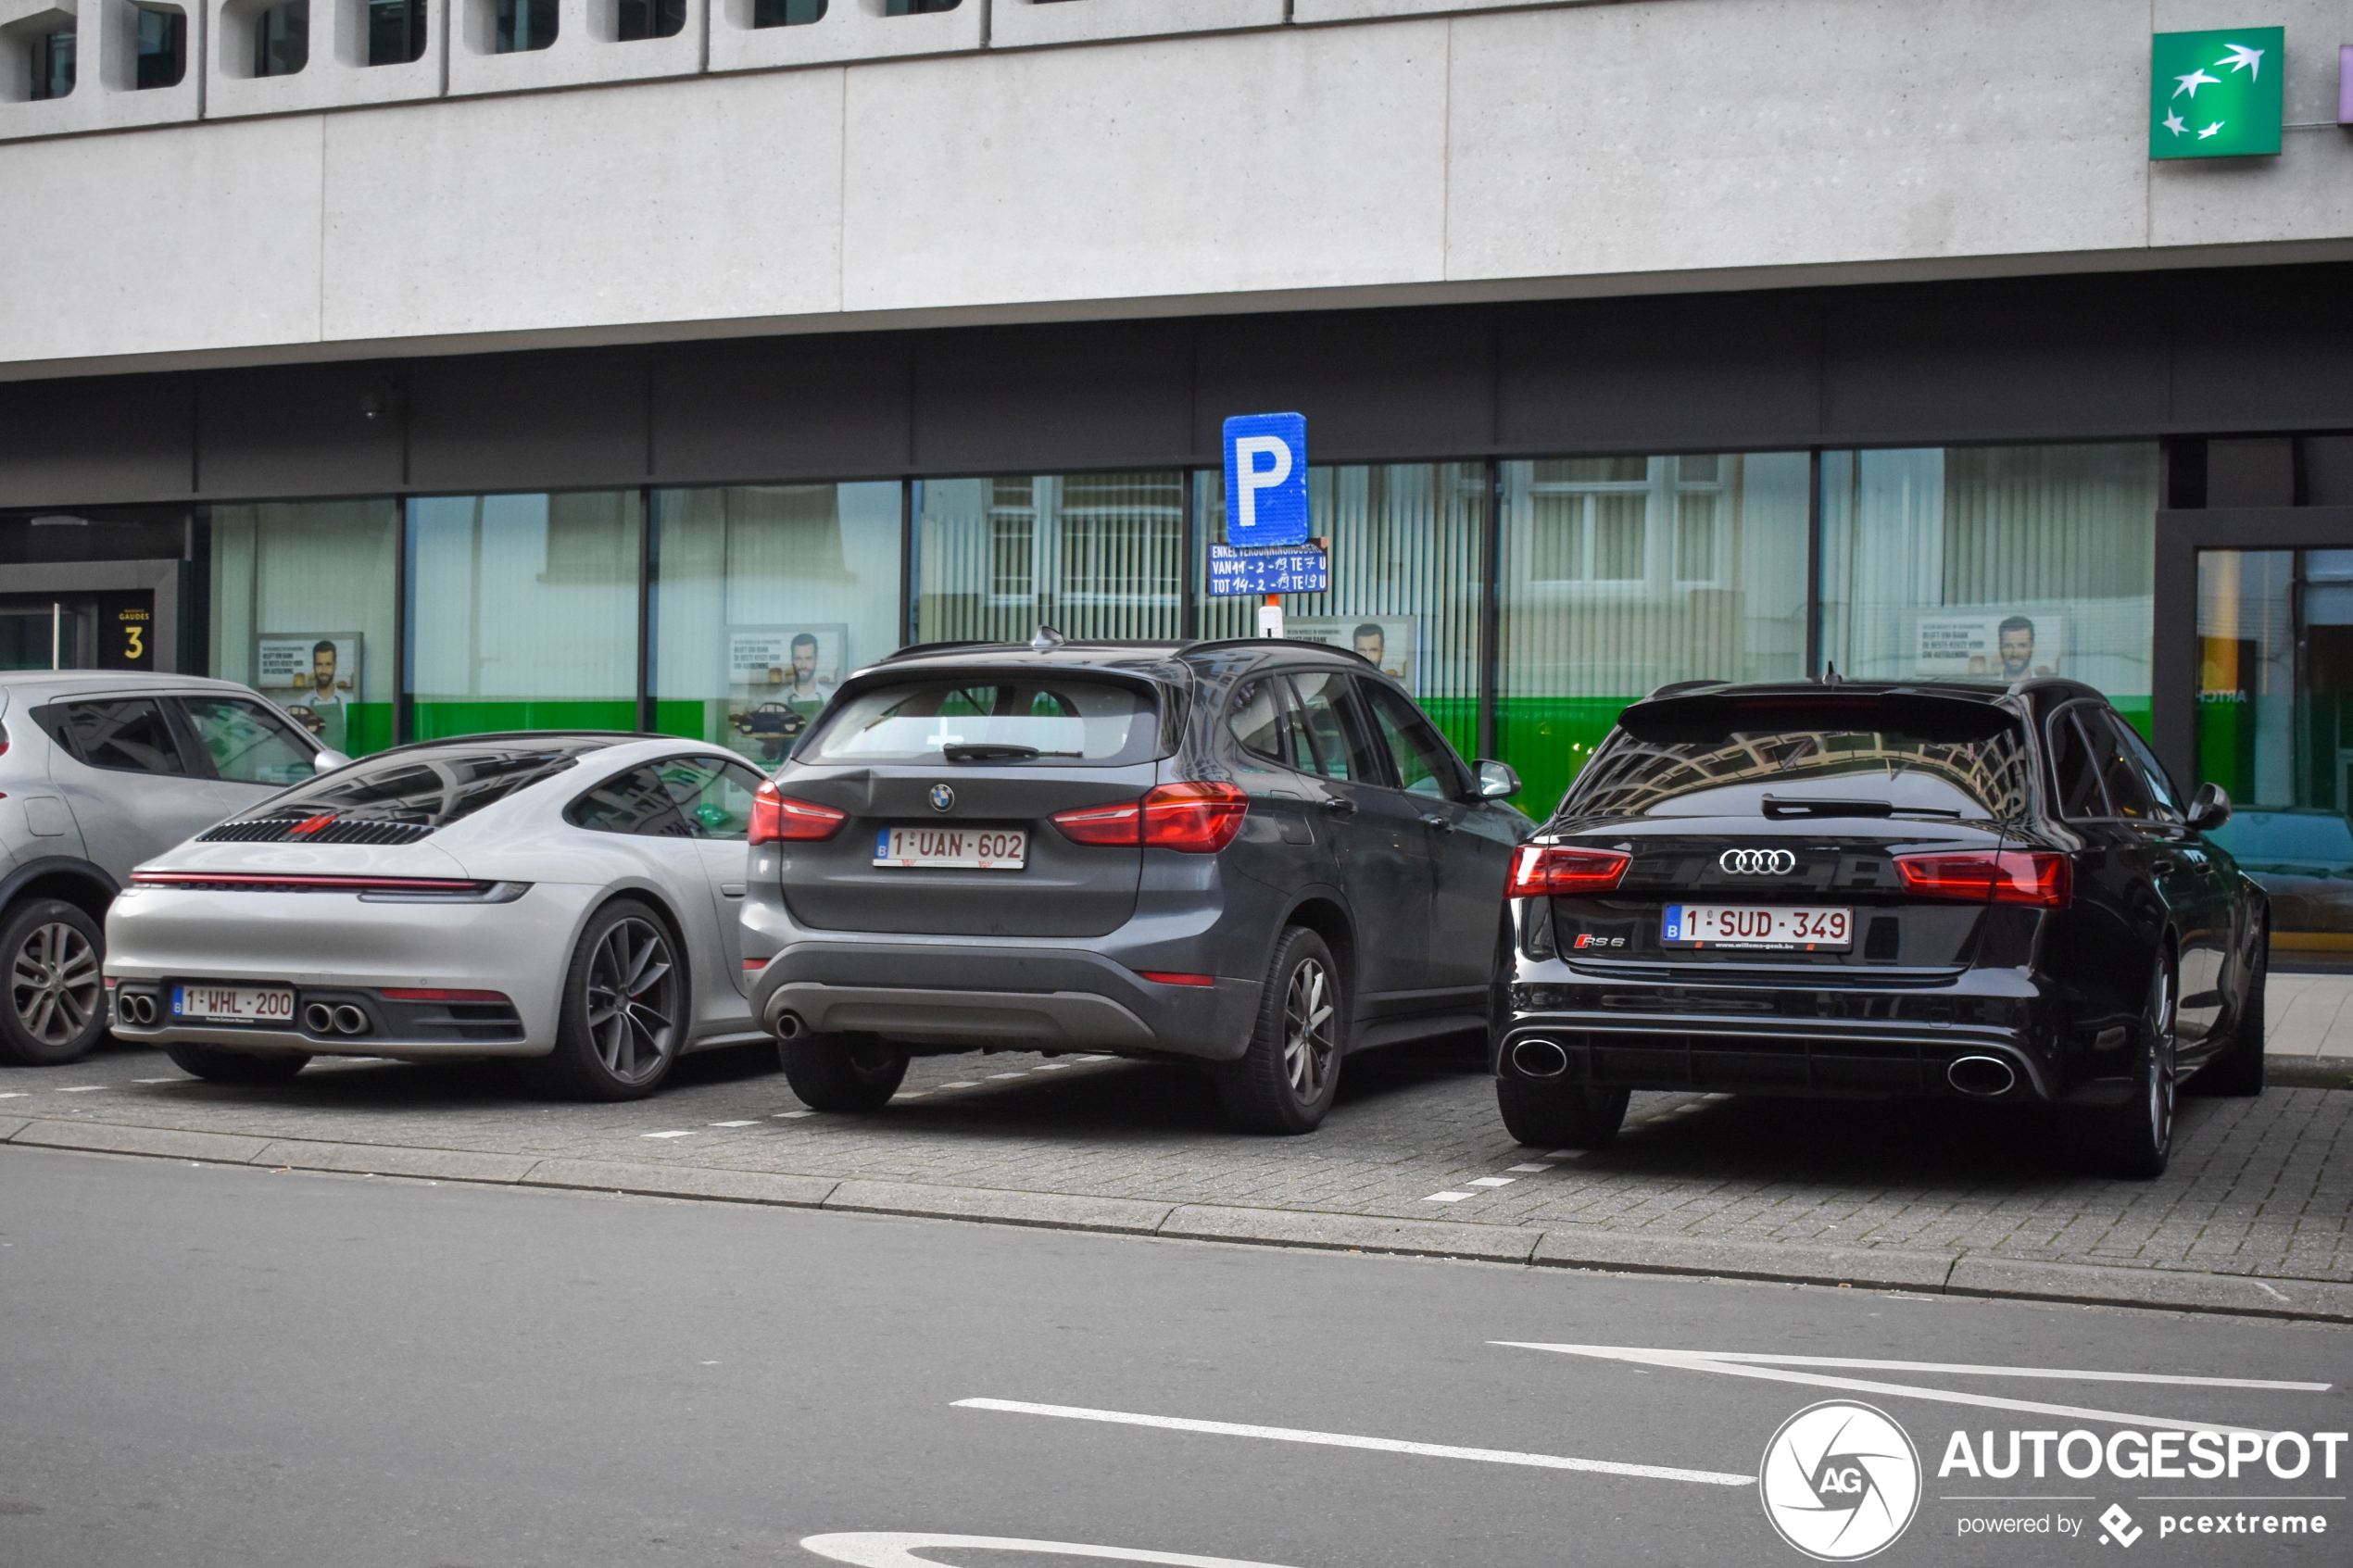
[(1789, 762), (1045, 719), (433, 786)]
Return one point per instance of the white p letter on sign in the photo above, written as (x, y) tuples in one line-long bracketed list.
[(1266, 480)]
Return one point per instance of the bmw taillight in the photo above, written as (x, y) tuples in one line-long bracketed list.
[(777, 817), (2010, 876), (1543, 870), (1195, 819)]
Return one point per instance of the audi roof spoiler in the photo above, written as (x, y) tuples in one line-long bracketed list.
[(1714, 715)]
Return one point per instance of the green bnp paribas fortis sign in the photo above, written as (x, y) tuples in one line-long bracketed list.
[(2216, 94)]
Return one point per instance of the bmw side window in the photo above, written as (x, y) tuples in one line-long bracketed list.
[(1335, 736), (128, 736), (2121, 775), (245, 743), (2072, 767), (1259, 723), (638, 801), (2160, 783), (1424, 765)]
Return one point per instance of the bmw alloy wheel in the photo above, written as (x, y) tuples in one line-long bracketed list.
[(1309, 1040), (633, 1001)]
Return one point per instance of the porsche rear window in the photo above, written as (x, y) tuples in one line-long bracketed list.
[(433, 785), (1048, 719)]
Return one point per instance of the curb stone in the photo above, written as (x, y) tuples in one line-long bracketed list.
[(2309, 1072), (1794, 1262)]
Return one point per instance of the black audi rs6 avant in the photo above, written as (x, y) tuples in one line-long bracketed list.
[(1974, 892)]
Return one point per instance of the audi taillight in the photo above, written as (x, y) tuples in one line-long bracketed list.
[(2009, 876), (777, 817), (1544, 869), (1195, 819)]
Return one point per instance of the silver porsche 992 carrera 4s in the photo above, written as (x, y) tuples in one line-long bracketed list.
[(568, 899)]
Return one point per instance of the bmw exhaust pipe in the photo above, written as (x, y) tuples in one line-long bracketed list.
[(318, 1018), (1981, 1078), (349, 1020), (1539, 1058)]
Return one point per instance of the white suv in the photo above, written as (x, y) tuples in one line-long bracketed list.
[(99, 770)]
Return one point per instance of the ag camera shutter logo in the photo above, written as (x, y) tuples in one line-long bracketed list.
[(1841, 1481)]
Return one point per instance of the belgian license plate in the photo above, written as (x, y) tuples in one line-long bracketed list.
[(234, 1004), (1758, 925), (979, 849)]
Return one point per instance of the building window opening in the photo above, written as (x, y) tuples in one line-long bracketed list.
[(53, 56), (282, 39), (162, 51), (651, 18), (395, 31), (916, 7), (786, 13), (523, 25)]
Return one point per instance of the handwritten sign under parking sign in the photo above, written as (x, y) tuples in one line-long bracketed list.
[(1266, 480), (1303, 571)]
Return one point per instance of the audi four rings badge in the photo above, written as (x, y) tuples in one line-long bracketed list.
[(1758, 862), (942, 798)]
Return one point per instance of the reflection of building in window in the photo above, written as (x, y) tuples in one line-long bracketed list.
[(1634, 776), (160, 53), (1594, 520), (1095, 555)]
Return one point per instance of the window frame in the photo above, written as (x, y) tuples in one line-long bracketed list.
[(267, 714), (56, 723)]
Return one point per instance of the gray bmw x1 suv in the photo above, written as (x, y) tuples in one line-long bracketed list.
[(1257, 855)]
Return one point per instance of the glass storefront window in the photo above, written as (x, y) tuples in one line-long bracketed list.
[(1992, 564), (1406, 569), (1621, 574), (1093, 555), (764, 596), (523, 612), (303, 610)]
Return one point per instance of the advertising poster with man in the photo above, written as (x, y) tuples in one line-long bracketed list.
[(1993, 645), (315, 677), (779, 677), (1386, 641)]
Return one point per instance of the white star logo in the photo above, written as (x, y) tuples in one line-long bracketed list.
[(2209, 130), (2194, 80), (2173, 123), (2242, 58)]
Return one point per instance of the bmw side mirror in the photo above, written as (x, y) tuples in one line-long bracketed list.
[(2209, 807), (1496, 781)]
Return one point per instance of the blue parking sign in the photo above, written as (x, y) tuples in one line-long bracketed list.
[(1266, 480)]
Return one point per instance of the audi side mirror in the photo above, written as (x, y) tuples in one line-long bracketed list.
[(1496, 781), (2209, 807)]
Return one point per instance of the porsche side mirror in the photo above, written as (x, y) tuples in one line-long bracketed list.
[(2209, 807), (1496, 781), (328, 761)]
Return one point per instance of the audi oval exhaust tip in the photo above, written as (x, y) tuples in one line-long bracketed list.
[(1984, 1077), (1539, 1058), (349, 1020)]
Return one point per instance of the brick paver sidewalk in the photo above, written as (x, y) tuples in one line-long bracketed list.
[(2262, 1187)]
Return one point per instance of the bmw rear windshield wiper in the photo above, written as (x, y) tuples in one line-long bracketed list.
[(1777, 807), (997, 751)]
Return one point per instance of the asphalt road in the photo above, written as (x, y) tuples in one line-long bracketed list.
[(215, 1365)]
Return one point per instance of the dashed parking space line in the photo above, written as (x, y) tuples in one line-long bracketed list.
[(13, 1094), (83, 1089), (909, 1094), (1528, 1169), (732, 1123), (962, 1084), (682, 1132), (1051, 1066), (1351, 1440), (163, 1080), (791, 1115), (1448, 1196), (1023, 1073), (1493, 1181)]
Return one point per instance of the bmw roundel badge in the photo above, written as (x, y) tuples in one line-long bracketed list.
[(942, 799)]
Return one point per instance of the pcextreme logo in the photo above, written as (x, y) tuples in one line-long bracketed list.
[(1841, 1481)]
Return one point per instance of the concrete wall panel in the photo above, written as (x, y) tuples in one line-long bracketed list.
[(1733, 133), (660, 202), (1270, 160), (182, 238)]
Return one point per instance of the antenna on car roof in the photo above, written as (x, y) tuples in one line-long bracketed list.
[(1047, 639), (1830, 677)]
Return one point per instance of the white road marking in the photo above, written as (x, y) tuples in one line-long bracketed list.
[(1567, 1154), (1023, 1073), (1528, 1170), (790, 1115), (163, 1080), (896, 1548), (1971, 1368), (1051, 1066), (1492, 1181), (1736, 1364), (13, 1094), (83, 1089), (676, 1135), (1349, 1441), (1448, 1196), (911, 1093), (1094, 1058), (734, 1123), (961, 1084)]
